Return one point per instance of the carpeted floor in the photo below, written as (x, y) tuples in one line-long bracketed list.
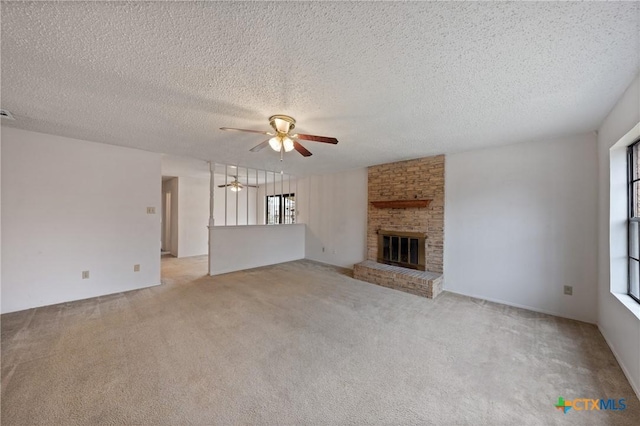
[(299, 343)]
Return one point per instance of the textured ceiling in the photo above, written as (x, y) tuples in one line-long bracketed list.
[(175, 166), (390, 80)]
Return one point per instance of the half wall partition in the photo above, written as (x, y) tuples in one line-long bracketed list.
[(245, 204)]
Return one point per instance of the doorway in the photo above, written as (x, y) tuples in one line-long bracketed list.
[(169, 228)]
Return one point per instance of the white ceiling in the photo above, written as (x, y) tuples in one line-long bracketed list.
[(390, 80), (176, 166)]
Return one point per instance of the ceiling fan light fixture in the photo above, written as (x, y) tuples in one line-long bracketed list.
[(235, 185), (287, 143), (275, 143), (282, 123), (283, 140)]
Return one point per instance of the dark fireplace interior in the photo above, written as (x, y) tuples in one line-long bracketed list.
[(404, 249)]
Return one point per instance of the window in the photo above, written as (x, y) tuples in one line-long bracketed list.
[(633, 192), (281, 209)]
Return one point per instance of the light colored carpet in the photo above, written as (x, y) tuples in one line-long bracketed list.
[(299, 343)]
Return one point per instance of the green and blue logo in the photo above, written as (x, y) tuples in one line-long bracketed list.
[(588, 404)]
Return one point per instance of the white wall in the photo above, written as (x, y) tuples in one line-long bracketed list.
[(618, 324), (520, 223), (193, 216), (334, 208), (246, 203), (69, 206), (234, 248)]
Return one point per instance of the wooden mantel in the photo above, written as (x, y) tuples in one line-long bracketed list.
[(401, 204)]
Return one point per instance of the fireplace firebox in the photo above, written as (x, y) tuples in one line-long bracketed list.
[(404, 249)]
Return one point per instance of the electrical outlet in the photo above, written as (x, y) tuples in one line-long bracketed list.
[(151, 210), (136, 268), (568, 290), (85, 275)]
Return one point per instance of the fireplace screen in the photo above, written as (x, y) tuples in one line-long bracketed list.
[(404, 249)]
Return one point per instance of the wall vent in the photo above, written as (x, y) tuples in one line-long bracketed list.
[(6, 114)]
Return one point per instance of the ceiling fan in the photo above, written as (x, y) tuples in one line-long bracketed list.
[(282, 139), (235, 185)]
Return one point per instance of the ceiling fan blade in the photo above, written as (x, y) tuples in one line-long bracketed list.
[(222, 186), (315, 138), (301, 149), (260, 146), (261, 132), (252, 186)]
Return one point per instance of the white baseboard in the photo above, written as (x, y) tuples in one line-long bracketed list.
[(634, 386), (516, 305)]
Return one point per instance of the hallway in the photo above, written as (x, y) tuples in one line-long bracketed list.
[(184, 269)]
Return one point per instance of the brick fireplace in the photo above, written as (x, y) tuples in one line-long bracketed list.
[(406, 198)]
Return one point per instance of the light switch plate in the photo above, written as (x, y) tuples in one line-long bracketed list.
[(568, 290), (136, 268), (151, 210), (85, 275)]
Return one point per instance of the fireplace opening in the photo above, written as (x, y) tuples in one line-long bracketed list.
[(404, 249)]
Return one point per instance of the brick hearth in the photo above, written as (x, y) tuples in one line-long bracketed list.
[(421, 283)]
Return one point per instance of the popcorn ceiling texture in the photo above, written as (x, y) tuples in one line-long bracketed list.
[(392, 81)]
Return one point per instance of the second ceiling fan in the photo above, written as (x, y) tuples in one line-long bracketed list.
[(282, 140), (235, 185)]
